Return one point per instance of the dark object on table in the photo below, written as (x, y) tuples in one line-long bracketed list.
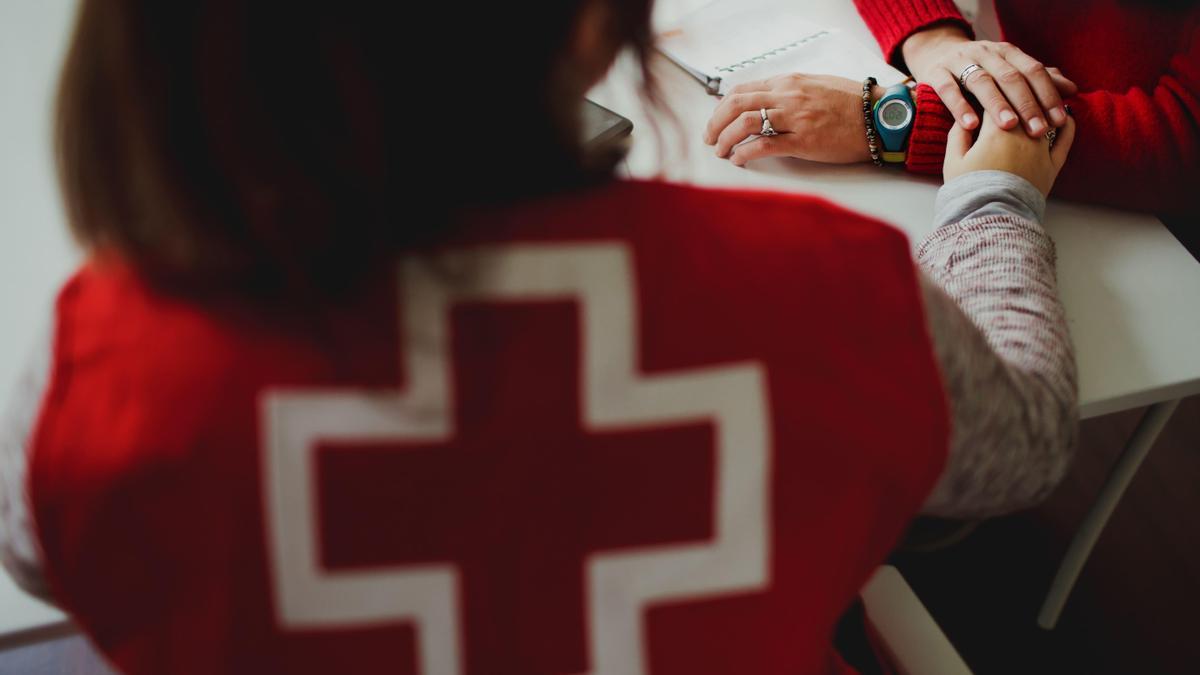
[(603, 128)]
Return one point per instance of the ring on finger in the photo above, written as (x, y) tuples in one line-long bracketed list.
[(968, 72), (1051, 136), (767, 129)]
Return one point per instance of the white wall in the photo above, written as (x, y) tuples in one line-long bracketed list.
[(36, 253)]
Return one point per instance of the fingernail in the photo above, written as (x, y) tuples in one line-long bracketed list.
[(1007, 118), (1067, 107), (1058, 115), (969, 120), (1037, 126)]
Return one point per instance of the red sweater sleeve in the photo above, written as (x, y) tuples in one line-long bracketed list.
[(931, 126), (1137, 149), (892, 21), (1140, 148)]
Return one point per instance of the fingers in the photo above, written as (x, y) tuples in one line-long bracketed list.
[(945, 83), (746, 125), (983, 86), (1062, 143), (732, 106), (958, 142), (989, 130), (1038, 78), (1065, 86), (1013, 85), (763, 146), (751, 86)]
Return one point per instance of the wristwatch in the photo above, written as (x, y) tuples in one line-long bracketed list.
[(893, 119)]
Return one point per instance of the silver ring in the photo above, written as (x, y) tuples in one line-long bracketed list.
[(767, 129), (967, 72)]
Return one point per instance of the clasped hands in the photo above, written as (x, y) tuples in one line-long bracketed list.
[(819, 117)]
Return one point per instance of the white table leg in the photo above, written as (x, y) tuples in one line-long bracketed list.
[(1131, 458)]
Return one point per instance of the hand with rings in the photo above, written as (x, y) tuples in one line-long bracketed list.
[(1000, 76), (1037, 160), (815, 117)]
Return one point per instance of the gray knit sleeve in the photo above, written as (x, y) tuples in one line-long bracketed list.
[(1000, 335), (987, 193)]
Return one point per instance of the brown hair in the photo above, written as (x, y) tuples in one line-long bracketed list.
[(274, 146)]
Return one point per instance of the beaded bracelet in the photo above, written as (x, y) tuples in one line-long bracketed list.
[(869, 121)]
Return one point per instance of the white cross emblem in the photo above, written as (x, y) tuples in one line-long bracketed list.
[(620, 585)]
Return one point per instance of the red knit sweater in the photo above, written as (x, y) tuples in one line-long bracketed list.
[(1138, 70)]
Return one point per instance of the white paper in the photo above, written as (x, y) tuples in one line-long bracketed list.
[(742, 41)]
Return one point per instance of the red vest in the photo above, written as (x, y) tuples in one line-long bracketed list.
[(642, 428)]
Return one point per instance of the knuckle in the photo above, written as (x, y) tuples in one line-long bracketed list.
[(1028, 109), (946, 88), (1010, 76), (995, 100), (746, 152), (982, 81), (959, 107)]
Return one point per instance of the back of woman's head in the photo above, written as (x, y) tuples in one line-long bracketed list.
[(273, 146)]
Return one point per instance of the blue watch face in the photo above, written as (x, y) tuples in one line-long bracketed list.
[(895, 114)]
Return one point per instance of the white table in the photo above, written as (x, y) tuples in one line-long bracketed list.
[(1129, 288), (1131, 291), (24, 619)]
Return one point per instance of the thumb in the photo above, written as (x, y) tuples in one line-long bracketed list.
[(958, 142)]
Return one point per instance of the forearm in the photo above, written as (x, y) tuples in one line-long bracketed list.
[(1140, 147), (893, 22), (1136, 150), (1140, 159), (1001, 338)]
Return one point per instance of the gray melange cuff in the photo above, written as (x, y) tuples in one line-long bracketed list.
[(988, 193)]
